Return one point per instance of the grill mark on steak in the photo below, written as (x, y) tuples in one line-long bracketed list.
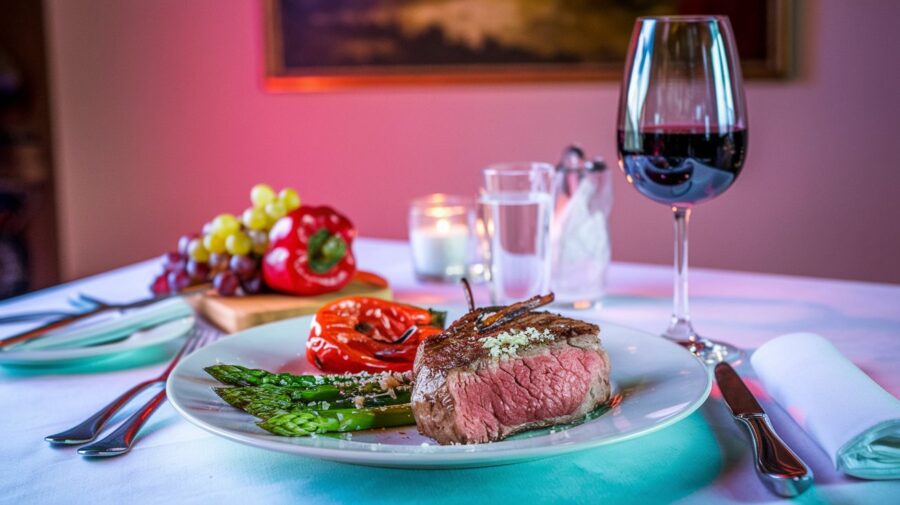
[(463, 395)]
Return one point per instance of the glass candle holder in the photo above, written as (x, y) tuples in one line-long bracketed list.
[(440, 236)]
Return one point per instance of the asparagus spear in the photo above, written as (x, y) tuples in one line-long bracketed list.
[(265, 410), (235, 375), (240, 397), (305, 422), (267, 400), (316, 393), (298, 424)]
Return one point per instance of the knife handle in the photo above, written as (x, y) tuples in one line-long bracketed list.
[(778, 467)]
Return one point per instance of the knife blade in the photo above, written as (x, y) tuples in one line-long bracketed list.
[(782, 471)]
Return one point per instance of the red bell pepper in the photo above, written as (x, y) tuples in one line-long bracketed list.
[(310, 252), (359, 334)]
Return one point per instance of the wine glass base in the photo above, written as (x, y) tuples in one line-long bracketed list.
[(709, 351)]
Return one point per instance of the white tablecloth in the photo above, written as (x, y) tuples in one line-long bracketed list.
[(703, 459)]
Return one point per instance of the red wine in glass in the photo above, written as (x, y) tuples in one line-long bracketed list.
[(680, 166)]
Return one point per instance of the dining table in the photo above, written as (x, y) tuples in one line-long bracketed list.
[(704, 458)]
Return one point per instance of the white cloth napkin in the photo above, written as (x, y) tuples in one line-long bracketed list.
[(109, 327), (850, 416)]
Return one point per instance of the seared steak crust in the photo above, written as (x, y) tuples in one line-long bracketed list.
[(464, 395)]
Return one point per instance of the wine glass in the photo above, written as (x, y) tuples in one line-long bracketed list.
[(682, 134)]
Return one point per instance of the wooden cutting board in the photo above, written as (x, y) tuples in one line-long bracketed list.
[(237, 313)]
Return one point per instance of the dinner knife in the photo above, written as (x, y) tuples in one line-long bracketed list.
[(44, 329), (98, 308), (782, 471)]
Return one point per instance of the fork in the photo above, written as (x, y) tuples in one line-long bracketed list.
[(122, 439), (91, 427)]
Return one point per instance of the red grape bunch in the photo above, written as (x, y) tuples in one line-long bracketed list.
[(229, 249)]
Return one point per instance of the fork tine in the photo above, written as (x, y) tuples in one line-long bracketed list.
[(202, 338), (197, 338), (206, 337)]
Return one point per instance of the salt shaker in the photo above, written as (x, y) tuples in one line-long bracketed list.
[(579, 233)]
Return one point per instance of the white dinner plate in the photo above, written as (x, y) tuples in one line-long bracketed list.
[(71, 356), (659, 382)]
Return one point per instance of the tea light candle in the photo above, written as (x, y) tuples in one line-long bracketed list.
[(439, 236), (440, 251)]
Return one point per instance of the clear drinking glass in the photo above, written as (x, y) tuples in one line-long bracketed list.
[(516, 207), (682, 134)]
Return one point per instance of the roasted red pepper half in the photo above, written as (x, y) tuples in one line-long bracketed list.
[(358, 334), (310, 252)]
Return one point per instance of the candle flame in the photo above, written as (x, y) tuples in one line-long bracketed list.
[(442, 212)]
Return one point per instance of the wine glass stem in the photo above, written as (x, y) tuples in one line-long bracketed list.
[(681, 328)]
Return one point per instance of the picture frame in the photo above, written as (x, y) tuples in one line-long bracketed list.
[(307, 43)]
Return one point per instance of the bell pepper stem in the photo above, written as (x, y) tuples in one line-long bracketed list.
[(325, 250)]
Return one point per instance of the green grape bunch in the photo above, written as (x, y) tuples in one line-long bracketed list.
[(229, 249)]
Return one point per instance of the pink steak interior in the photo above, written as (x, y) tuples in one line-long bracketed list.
[(519, 391)]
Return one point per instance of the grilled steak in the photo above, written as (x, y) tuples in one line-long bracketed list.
[(538, 370)]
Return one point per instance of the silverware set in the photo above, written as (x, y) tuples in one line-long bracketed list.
[(121, 440)]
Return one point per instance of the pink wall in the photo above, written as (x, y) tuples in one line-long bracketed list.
[(161, 123)]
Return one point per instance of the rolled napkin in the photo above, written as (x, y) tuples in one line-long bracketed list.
[(109, 327), (850, 416)]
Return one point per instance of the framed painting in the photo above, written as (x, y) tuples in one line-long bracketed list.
[(314, 45)]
